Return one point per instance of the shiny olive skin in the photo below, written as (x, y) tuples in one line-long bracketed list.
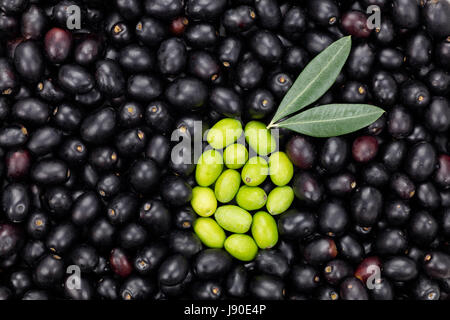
[(38, 225), (304, 278), (67, 117), (173, 270), (156, 217), (85, 292), (307, 188), (423, 227), (85, 257), (185, 242), (57, 200), (101, 234), (144, 87), (206, 290), (137, 288), (130, 114), (88, 51), (229, 51), (149, 258), (158, 149), (353, 289), (103, 158), (31, 111), (132, 236), (13, 136), (120, 263), (225, 101), (320, 250), (176, 191), (21, 281), (33, 250), (163, 9), (266, 287), (99, 126), (158, 116), (121, 208), (50, 171), (366, 206), (205, 10), (108, 185), (11, 239), (239, 19), (8, 81), (109, 78), (201, 35), (187, 93), (237, 281), (29, 61), (171, 57), (184, 218), (34, 22), (150, 31), (58, 43), (49, 271), (44, 140), (17, 164), (333, 218), (212, 263), (61, 238), (143, 175), (249, 73), (86, 208), (297, 224), (73, 151), (400, 268), (75, 79), (272, 262)]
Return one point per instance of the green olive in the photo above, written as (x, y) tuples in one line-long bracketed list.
[(224, 133), (235, 156), (209, 232), (227, 185), (241, 246), (264, 230), (255, 171), (259, 138), (251, 198), (279, 200), (203, 201), (233, 219), (281, 169), (209, 168)]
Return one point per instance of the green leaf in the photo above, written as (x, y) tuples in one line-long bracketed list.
[(332, 119), (317, 77)]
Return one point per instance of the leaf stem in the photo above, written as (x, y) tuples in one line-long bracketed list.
[(271, 125)]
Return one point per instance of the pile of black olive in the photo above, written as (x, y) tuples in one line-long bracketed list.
[(89, 182)]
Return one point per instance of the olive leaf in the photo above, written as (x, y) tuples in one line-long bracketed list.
[(317, 77), (332, 120)]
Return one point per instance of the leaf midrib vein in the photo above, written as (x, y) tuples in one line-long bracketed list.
[(315, 78), (329, 120)]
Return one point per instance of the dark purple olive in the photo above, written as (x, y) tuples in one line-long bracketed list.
[(29, 61), (187, 94), (31, 111), (99, 126), (88, 51), (109, 78), (75, 79), (50, 171), (58, 44)]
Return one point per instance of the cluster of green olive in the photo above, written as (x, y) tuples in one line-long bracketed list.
[(219, 181)]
